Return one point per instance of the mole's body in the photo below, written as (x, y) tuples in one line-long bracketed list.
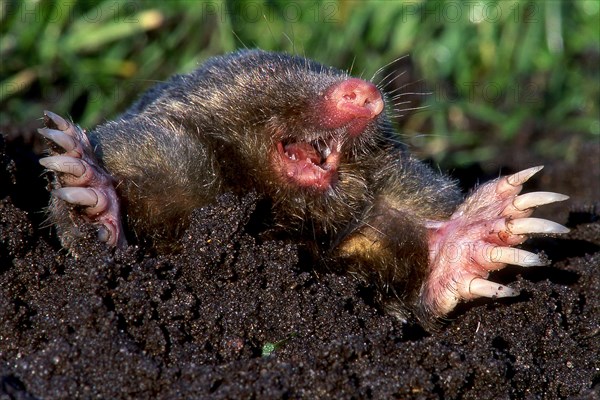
[(318, 144)]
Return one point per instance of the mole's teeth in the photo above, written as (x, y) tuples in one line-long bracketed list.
[(522, 226), (322, 148), (510, 255), (484, 288), (337, 145), (534, 199)]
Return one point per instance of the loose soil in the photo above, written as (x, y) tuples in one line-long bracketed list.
[(233, 316)]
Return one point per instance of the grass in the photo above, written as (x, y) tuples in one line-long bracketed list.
[(500, 72)]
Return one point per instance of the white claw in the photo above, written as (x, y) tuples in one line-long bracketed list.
[(484, 288), (103, 234), (510, 255), (534, 199), (59, 137), (65, 164), (58, 120), (523, 176), (523, 226), (77, 195)]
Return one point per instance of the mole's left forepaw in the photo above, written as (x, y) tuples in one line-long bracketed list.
[(478, 238)]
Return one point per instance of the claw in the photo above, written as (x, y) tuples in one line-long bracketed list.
[(80, 181), (65, 164), (478, 238), (510, 255), (59, 137), (80, 196), (68, 129), (523, 176), (534, 199), (59, 121), (484, 288), (522, 226), (513, 182), (95, 201), (104, 235)]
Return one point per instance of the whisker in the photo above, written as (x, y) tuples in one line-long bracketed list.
[(352, 65), (269, 27), (387, 65), (413, 108), (385, 84), (411, 94), (405, 86), (239, 39), (403, 102)]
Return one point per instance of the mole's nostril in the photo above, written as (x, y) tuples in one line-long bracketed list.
[(357, 98), (352, 104)]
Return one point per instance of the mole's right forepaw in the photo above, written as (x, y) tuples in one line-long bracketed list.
[(80, 182)]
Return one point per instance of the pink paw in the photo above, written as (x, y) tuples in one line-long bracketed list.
[(477, 239), (81, 181)]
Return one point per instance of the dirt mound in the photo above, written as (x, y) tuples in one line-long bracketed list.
[(233, 316)]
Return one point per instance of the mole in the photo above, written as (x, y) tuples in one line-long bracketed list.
[(319, 145)]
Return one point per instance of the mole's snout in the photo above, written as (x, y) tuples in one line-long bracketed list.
[(357, 98), (352, 102)]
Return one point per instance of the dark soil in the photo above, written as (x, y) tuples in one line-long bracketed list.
[(232, 316)]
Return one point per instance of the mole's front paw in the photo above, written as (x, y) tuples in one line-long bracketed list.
[(81, 183), (478, 238)]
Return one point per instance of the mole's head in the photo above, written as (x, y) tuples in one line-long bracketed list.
[(296, 124), (335, 120)]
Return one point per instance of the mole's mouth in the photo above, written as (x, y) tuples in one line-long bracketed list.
[(309, 163)]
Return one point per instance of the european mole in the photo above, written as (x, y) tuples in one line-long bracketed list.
[(318, 144)]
